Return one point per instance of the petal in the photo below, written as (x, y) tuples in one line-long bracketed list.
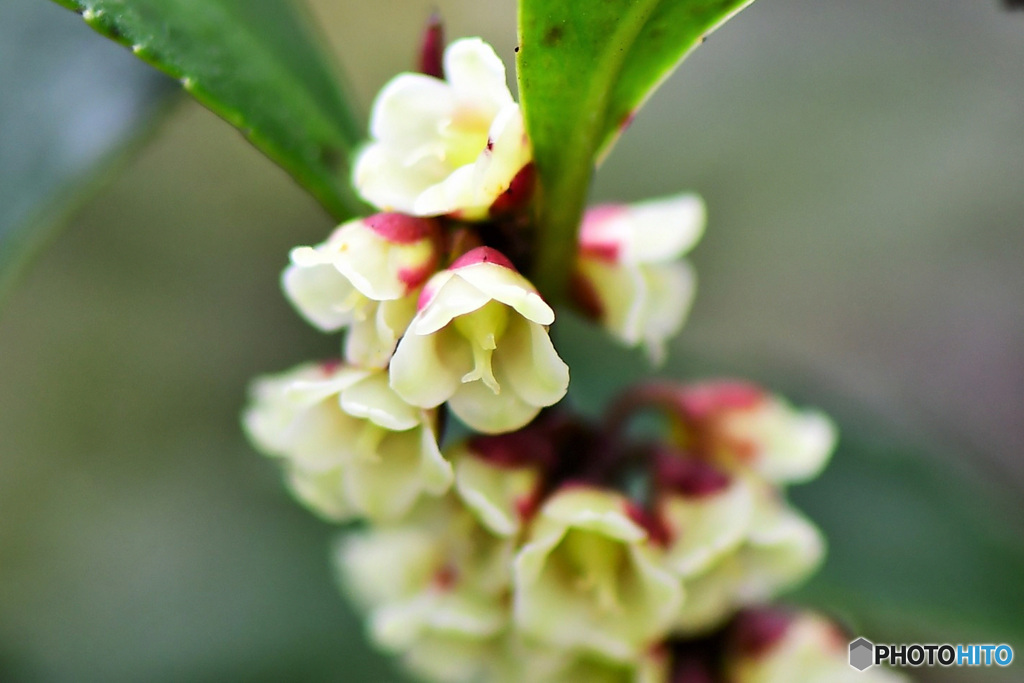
[(526, 356), (476, 74), (452, 296), (510, 288), (373, 399), (385, 180), (386, 565), (484, 411), (321, 492), (621, 291), (319, 293), (435, 471), (704, 528), (510, 151), (427, 370), (653, 231), (457, 192), (670, 289), (593, 509), (494, 493), (410, 109), (364, 258), (386, 488)]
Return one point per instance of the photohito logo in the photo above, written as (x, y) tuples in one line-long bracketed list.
[(865, 654)]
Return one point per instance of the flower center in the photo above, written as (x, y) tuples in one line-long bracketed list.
[(596, 562), (464, 136), (482, 329)]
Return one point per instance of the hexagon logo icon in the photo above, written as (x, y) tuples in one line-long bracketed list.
[(862, 654)]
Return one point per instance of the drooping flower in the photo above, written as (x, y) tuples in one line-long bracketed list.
[(589, 577), (775, 646), (740, 425), (365, 277), (450, 146), (733, 547), (630, 274), (435, 588), (480, 342), (497, 477), (349, 444)]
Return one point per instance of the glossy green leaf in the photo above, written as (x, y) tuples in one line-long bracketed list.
[(70, 104), (584, 68), (256, 64)]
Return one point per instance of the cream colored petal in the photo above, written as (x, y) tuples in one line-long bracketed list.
[(664, 229), (595, 510), (278, 401), (784, 548), (670, 290), (320, 438), (427, 370), (476, 74), (366, 260), (621, 291), (494, 493), (410, 109), (704, 528), (383, 179), (510, 151), (526, 356), (385, 488), (481, 409), (436, 472), (386, 565), (453, 297), (320, 294), (444, 657), (711, 598), (321, 492), (455, 193), (796, 445), (510, 288), (550, 606), (374, 399)]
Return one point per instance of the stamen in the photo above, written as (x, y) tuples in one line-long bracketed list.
[(482, 329)]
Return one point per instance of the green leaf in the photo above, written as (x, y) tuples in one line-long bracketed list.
[(254, 63), (70, 105), (583, 69)]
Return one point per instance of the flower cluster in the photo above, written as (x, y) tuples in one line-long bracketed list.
[(543, 546)]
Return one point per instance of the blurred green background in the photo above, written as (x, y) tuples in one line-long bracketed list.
[(862, 165)]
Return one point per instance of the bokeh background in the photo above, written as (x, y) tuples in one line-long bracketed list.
[(862, 164)]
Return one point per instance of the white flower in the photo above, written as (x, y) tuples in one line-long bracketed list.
[(588, 577), (746, 427), (770, 647), (365, 277), (480, 342), (629, 273), (735, 547), (350, 445), (500, 493), (444, 146), (435, 587)]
